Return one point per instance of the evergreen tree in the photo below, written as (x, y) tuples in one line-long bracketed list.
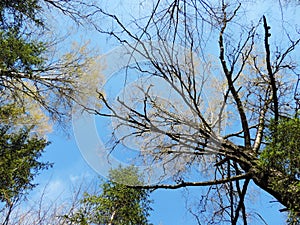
[(117, 204), (282, 154), (20, 152)]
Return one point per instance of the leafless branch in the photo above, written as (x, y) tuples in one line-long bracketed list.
[(194, 184)]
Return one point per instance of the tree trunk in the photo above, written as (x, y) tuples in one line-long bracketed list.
[(279, 186)]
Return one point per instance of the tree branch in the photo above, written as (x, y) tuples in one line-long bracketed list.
[(269, 69), (193, 184), (228, 74)]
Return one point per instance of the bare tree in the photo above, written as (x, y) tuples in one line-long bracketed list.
[(228, 78), (45, 209)]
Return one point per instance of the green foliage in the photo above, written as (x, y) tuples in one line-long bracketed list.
[(118, 203), (20, 151), (15, 12), (282, 151), (21, 54), (18, 55), (282, 155)]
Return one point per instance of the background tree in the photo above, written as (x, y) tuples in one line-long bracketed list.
[(39, 209), (31, 66), (117, 203), (38, 85), (19, 159)]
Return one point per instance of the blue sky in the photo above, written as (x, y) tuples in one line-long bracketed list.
[(70, 170), (70, 167)]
